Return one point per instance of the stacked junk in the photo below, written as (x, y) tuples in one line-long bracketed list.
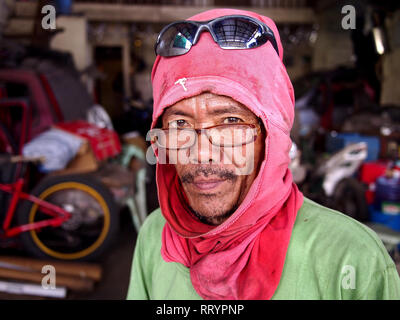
[(346, 150), (65, 175)]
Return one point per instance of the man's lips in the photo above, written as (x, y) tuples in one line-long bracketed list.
[(208, 184)]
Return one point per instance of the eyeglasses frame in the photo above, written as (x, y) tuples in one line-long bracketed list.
[(199, 131)]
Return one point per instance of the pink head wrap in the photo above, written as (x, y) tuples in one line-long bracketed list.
[(243, 257)]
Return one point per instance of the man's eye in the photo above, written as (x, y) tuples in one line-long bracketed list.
[(232, 120), (178, 123)]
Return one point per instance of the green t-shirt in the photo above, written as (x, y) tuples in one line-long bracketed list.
[(330, 256)]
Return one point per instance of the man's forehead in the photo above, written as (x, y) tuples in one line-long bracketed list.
[(210, 103)]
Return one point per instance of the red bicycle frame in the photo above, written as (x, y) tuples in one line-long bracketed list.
[(59, 215)]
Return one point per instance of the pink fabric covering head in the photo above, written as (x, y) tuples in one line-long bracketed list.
[(242, 258)]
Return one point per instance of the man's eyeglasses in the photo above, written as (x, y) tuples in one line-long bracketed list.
[(223, 135), (230, 32)]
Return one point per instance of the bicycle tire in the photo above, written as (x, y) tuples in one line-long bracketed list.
[(33, 241)]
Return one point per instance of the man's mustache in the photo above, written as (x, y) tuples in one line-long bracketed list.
[(224, 174)]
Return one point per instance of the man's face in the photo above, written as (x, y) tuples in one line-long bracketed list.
[(214, 186)]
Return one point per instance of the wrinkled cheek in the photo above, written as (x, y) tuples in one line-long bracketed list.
[(242, 158)]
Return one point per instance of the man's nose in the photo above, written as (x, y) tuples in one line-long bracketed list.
[(203, 151)]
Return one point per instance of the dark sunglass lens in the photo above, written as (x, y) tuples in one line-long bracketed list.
[(176, 40), (238, 33)]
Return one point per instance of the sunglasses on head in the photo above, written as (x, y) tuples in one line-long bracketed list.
[(230, 32)]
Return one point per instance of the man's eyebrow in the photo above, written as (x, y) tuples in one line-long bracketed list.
[(174, 112), (226, 109), (215, 110)]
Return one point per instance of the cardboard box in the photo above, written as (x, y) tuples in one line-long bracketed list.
[(84, 162)]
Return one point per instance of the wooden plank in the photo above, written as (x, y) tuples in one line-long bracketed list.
[(31, 289), (73, 283), (78, 269), (19, 26), (166, 13), (25, 9)]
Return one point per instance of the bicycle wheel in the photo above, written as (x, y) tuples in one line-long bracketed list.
[(87, 234)]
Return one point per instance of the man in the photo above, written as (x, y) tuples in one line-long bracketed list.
[(231, 223)]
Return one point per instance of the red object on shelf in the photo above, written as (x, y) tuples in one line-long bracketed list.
[(370, 171), (104, 142), (370, 196)]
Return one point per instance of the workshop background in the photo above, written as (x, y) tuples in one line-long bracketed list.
[(76, 104)]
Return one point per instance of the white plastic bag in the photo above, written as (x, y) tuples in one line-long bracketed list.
[(56, 146)]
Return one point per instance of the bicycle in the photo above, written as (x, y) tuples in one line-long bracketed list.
[(67, 217), (71, 217)]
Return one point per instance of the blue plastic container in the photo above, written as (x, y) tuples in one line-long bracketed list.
[(386, 207), (389, 220), (337, 142), (63, 6)]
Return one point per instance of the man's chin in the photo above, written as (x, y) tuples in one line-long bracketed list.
[(211, 217)]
